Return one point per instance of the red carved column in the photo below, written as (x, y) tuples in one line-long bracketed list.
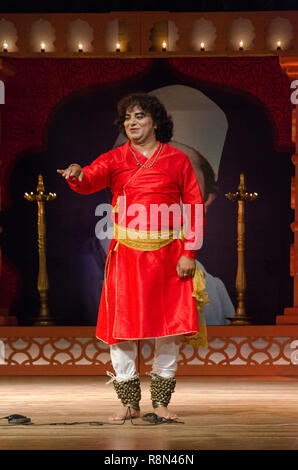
[(290, 67), (5, 73)]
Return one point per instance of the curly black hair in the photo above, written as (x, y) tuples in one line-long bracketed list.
[(150, 104)]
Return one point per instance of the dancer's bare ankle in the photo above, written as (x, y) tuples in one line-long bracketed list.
[(164, 412), (125, 413)]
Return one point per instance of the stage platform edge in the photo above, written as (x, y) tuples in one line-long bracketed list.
[(74, 350)]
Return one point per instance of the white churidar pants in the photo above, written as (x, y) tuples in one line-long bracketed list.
[(123, 356)]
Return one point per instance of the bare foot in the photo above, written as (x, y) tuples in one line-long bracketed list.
[(163, 412), (124, 414)]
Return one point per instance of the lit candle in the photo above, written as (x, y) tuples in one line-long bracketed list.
[(241, 46), (80, 47), (164, 46), (278, 44), (118, 47), (5, 46), (202, 46), (42, 47)]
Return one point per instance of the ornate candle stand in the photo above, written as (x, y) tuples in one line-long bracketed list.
[(241, 196), (44, 318)]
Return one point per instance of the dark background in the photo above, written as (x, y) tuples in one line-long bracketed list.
[(97, 6), (82, 128)]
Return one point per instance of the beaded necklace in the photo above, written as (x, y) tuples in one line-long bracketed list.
[(141, 164)]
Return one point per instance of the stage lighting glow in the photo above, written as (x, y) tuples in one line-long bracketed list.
[(5, 46), (42, 47), (164, 46)]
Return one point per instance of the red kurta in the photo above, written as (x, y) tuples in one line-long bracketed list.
[(143, 296)]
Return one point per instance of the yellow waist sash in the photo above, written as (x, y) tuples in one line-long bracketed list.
[(150, 241), (143, 240)]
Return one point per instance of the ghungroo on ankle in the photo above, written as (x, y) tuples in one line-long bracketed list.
[(129, 391), (161, 390)]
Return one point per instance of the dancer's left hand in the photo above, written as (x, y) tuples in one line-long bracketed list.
[(186, 267)]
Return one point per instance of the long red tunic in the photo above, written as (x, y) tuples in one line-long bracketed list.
[(143, 296)]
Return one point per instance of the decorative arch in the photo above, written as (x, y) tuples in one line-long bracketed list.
[(39, 85), (260, 77)]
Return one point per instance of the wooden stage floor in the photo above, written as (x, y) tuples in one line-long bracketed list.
[(218, 413)]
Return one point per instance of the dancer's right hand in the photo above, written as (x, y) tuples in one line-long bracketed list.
[(74, 171)]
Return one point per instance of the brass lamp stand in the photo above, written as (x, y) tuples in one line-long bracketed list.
[(241, 196), (44, 318)]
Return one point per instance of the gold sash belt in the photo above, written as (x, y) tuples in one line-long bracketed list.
[(143, 240)]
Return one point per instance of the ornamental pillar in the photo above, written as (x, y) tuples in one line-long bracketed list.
[(290, 66)]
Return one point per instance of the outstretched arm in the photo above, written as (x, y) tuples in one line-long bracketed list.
[(90, 178)]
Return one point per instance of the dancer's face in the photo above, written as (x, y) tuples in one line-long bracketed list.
[(139, 126)]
